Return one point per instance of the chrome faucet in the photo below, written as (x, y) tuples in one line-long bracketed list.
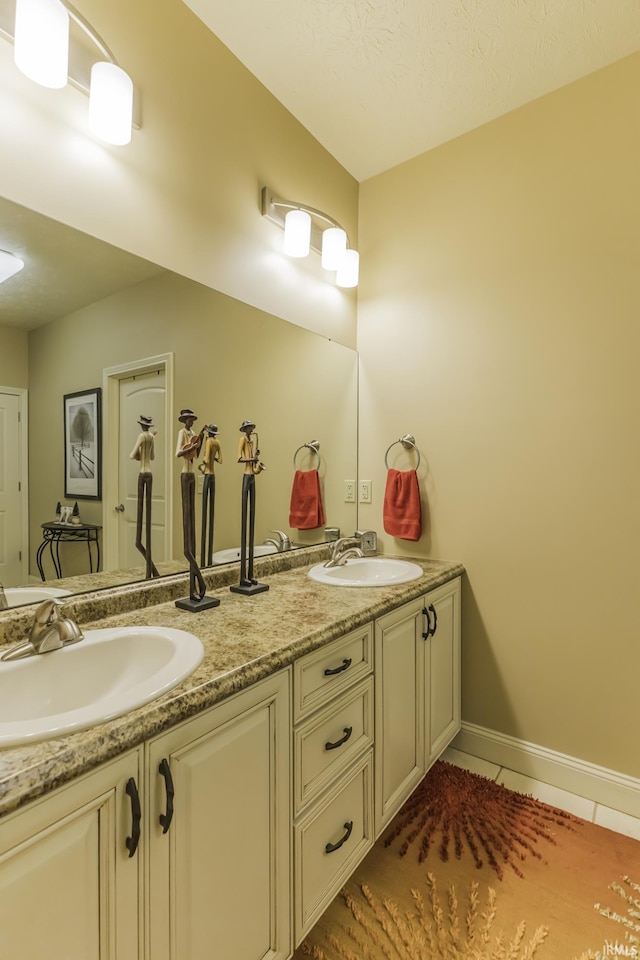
[(49, 631), (4, 604), (345, 548), (282, 543)]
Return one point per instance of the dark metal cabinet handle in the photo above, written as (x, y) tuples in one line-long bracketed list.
[(165, 818), (427, 611), (346, 663), (332, 847), (136, 816), (338, 743)]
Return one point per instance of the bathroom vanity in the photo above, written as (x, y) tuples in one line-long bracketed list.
[(222, 819)]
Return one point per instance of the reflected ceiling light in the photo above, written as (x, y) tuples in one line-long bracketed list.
[(47, 53), (41, 42), (9, 265), (306, 228)]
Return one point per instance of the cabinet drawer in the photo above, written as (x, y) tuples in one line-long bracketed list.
[(330, 841), (323, 674), (331, 740)]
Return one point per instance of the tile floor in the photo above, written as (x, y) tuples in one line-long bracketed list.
[(579, 806)]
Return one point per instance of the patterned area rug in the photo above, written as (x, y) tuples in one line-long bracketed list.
[(469, 870)]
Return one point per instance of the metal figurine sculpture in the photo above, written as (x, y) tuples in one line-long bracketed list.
[(249, 454), (143, 451), (188, 448), (211, 455)]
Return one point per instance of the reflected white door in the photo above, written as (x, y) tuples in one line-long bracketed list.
[(141, 395), (11, 494)]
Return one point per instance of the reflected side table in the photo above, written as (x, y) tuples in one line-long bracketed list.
[(53, 534)]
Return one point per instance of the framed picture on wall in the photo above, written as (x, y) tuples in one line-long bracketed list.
[(83, 445)]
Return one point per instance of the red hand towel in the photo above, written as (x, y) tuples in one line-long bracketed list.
[(306, 511), (401, 515)]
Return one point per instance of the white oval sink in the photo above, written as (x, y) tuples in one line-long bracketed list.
[(233, 553), (367, 572), (16, 596), (109, 673)]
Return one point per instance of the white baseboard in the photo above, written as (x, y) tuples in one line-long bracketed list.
[(608, 787)]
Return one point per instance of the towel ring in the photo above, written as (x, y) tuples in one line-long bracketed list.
[(408, 442), (313, 445)]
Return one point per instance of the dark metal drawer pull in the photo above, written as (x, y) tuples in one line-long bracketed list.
[(331, 847), (347, 733), (427, 611), (165, 818), (136, 816), (346, 663)]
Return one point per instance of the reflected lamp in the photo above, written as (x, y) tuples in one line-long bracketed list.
[(9, 265)]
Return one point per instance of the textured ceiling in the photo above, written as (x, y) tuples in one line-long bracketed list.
[(380, 81), (64, 269)]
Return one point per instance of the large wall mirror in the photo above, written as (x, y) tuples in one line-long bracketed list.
[(84, 315)]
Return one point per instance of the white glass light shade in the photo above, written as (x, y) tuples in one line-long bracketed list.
[(110, 103), (334, 244), (348, 269), (9, 265), (297, 233), (41, 41)]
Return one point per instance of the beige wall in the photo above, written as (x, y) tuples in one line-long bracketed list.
[(498, 322), (231, 362), (185, 192), (14, 358)]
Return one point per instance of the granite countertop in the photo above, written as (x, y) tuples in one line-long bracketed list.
[(245, 639)]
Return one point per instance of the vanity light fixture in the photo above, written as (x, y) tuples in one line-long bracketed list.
[(334, 244), (41, 43), (297, 233), (45, 52), (111, 103), (306, 228), (348, 269), (9, 265)]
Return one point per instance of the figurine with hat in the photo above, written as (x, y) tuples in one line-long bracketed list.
[(211, 454), (143, 451), (187, 448), (249, 455), (189, 442)]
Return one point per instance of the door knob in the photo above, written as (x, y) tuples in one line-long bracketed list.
[(120, 508)]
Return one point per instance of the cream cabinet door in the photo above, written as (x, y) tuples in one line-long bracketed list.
[(68, 888), (417, 693), (442, 664), (399, 708), (219, 877)]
